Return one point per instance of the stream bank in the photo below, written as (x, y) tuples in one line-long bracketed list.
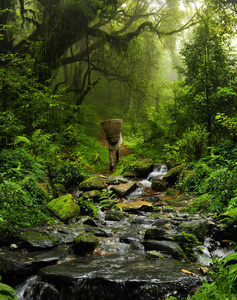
[(137, 256)]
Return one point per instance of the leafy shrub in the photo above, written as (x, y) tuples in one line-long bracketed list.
[(21, 204), (81, 149), (125, 164), (7, 292), (10, 127), (69, 175), (212, 176), (202, 203), (191, 147), (108, 200), (16, 164), (22, 200), (88, 207), (225, 284)]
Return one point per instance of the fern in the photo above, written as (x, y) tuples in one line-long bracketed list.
[(21, 140), (7, 292)]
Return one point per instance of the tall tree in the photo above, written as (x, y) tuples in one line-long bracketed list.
[(68, 32), (209, 74)]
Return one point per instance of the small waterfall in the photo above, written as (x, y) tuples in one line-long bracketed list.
[(22, 287), (158, 171)]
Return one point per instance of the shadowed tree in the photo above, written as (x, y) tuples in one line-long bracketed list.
[(67, 33)]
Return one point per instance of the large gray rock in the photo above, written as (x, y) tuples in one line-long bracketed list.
[(159, 234), (124, 188), (33, 239), (168, 247), (111, 277), (16, 266)]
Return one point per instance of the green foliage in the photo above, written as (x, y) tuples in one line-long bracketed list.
[(125, 164), (69, 175), (88, 207), (16, 164), (10, 126), (108, 200), (7, 292), (22, 200), (202, 203), (82, 149), (191, 147), (225, 284), (209, 76), (213, 179), (187, 242), (228, 123)]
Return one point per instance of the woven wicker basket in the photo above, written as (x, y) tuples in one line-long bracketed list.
[(112, 129)]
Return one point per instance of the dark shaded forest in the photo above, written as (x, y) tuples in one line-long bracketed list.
[(166, 68)]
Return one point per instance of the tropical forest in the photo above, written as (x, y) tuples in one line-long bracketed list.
[(118, 149)]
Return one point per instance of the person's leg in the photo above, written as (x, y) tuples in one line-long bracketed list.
[(117, 155), (111, 158)]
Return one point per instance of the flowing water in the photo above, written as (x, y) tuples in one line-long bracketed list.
[(121, 260)]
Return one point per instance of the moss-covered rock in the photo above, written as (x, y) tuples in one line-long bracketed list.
[(34, 239), (93, 183), (64, 208), (85, 243), (199, 228), (172, 175), (94, 195), (59, 189), (143, 167)]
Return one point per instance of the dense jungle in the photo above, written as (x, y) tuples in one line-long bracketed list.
[(167, 68)]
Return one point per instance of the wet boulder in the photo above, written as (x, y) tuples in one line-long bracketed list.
[(124, 188), (165, 247), (159, 185), (142, 167), (32, 239), (159, 234), (113, 278), (113, 180), (64, 208), (114, 215), (85, 243), (16, 266), (199, 228), (95, 182), (136, 206)]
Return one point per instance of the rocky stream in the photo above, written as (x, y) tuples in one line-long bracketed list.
[(134, 254)]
